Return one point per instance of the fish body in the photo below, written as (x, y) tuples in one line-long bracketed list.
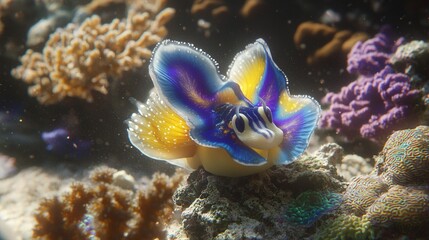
[(233, 125)]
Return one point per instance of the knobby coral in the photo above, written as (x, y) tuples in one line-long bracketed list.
[(105, 209), (80, 59), (378, 101)]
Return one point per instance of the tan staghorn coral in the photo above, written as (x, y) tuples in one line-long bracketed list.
[(104, 209), (80, 60)]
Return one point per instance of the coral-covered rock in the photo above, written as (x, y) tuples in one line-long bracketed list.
[(255, 207), (412, 53), (405, 157)]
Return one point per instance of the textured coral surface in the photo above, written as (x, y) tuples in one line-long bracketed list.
[(394, 198), (255, 207)]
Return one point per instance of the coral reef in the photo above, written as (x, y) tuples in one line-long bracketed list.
[(331, 43), (379, 101), (256, 206), (394, 198), (80, 59), (103, 210)]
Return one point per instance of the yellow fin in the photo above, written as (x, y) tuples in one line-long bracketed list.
[(158, 132), (247, 70)]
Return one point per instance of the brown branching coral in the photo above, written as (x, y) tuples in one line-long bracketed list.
[(218, 9), (79, 60), (103, 210), (322, 42), (154, 208)]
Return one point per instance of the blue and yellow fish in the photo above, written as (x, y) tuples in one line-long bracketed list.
[(233, 125)]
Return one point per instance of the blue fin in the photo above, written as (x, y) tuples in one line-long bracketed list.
[(188, 80)]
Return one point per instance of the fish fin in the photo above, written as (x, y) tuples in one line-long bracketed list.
[(260, 78), (187, 79), (158, 132), (297, 117), (257, 74)]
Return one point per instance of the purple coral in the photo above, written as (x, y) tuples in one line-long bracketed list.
[(369, 57), (60, 141), (372, 105)]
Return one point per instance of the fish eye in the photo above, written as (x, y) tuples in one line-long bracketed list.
[(239, 122), (267, 112)]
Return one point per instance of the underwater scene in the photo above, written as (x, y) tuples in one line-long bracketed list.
[(214, 119)]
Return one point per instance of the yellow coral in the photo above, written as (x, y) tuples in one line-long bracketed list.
[(79, 60)]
